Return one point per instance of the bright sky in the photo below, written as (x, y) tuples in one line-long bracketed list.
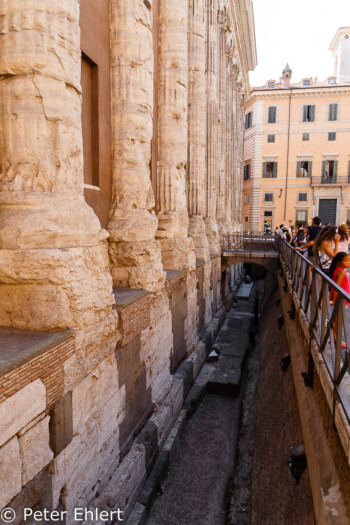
[(298, 32)]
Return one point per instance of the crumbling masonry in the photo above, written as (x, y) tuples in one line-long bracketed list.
[(116, 295)]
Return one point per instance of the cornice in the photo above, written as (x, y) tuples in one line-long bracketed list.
[(298, 93)]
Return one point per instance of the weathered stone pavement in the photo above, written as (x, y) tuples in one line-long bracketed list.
[(199, 475)]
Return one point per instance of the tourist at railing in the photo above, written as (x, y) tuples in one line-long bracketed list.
[(337, 272), (325, 247), (343, 245), (312, 232)]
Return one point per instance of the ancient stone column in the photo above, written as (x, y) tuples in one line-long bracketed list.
[(223, 213), (135, 254), (53, 254), (177, 247), (212, 127), (197, 129)]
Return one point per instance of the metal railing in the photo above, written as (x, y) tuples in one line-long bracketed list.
[(249, 242), (329, 324), (330, 180)]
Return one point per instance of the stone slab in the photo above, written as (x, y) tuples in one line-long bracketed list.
[(21, 408), (126, 296), (244, 291), (19, 346), (10, 471), (225, 382)]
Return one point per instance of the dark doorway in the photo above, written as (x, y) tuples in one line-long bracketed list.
[(328, 211)]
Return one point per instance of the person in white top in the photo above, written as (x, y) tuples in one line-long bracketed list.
[(343, 245)]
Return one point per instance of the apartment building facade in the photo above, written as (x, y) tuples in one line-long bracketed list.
[(297, 149)]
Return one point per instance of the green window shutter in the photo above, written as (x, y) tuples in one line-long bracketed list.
[(348, 170), (304, 113), (298, 168), (324, 169), (248, 170), (335, 170), (335, 112), (309, 171), (264, 170), (312, 113), (274, 172)]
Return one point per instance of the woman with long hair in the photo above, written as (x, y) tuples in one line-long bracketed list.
[(343, 245), (325, 247)]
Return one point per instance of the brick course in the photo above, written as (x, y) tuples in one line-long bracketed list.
[(48, 367)]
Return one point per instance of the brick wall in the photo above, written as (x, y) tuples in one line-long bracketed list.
[(48, 367)]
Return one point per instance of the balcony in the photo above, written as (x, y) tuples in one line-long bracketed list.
[(330, 181)]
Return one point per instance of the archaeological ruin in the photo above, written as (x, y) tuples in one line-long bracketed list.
[(121, 148)]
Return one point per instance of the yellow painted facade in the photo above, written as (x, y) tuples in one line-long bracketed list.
[(322, 156)]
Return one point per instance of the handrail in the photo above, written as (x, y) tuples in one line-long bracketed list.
[(312, 287), (249, 241)]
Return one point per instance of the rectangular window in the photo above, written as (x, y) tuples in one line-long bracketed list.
[(329, 171), (348, 218), (333, 112), (301, 217), (249, 120), (246, 172), (268, 221), (302, 197), (304, 168), (331, 135), (90, 117), (306, 136), (246, 198), (269, 170), (272, 113), (270, 138), (308, 113), (268, 197)]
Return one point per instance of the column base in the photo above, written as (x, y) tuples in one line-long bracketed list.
[(178, 254), (137, 265), (213, 237), (196, 230), (55, 289)]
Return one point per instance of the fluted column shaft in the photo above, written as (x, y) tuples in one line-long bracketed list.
[(212, 126), (135, 254), (177, 247), (197, 126)]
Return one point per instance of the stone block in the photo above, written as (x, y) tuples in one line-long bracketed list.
[(121, 489), (37, 494), (138, 515), (19, 409), (185, 372), (35, 450), (61, 424), (149, 439), (10, 471)]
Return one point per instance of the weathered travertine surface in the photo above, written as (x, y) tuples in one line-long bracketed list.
[(73, 435), (177, 247), (197, 133), (212, 126), (41, 179), (135, 254)]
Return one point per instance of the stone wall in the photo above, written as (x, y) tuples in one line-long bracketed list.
[(81, 419)]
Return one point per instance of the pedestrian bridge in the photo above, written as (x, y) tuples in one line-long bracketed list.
[(256, 247)]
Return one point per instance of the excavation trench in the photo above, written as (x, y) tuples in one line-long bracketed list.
[(230, 463)]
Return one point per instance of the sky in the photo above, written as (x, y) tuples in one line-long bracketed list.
[(298, 32)]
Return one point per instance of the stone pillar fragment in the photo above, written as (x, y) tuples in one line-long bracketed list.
[(177, 247), (135, 254), (51, 242), (212, 127), (197, 129)]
